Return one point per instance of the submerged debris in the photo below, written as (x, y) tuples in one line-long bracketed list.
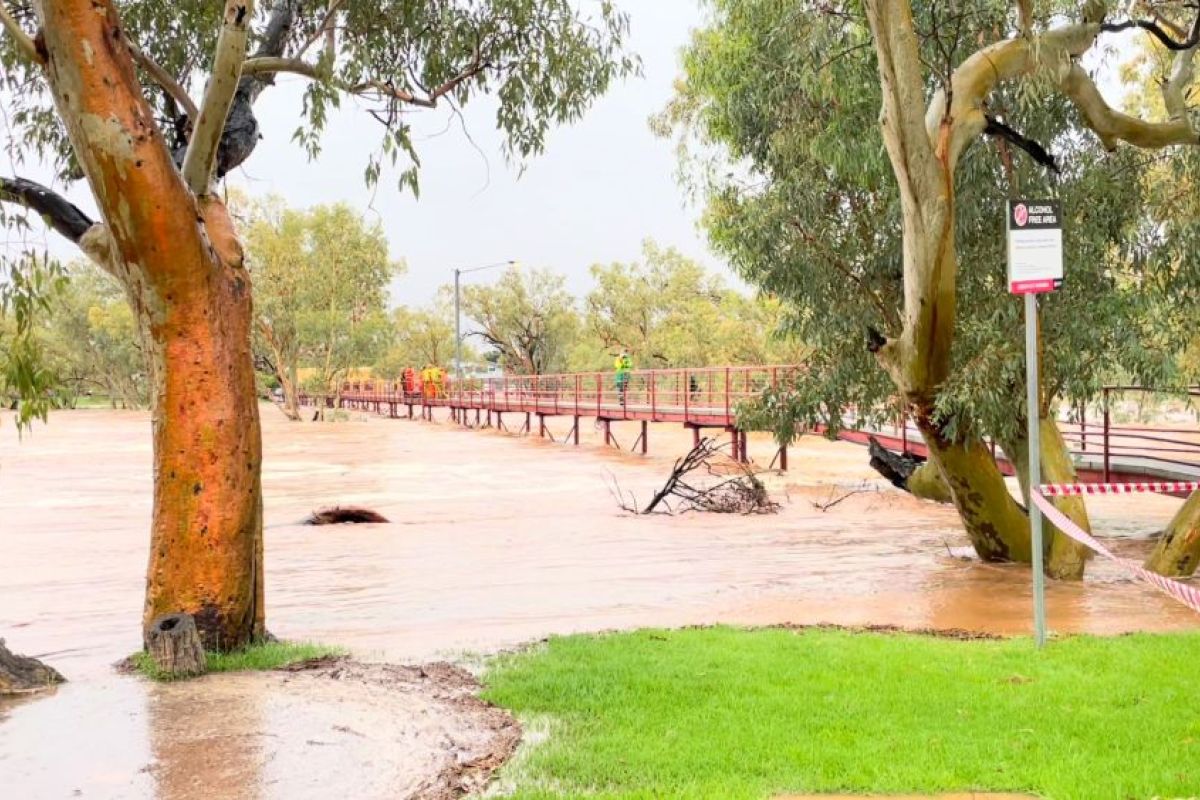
[(24, 675), (338, 515), (743, 493)]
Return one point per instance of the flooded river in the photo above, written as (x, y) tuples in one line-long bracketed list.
[(494, 541)]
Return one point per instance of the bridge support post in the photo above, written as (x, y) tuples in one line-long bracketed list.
[(575, 431), (607, 432), (541, 426), (783, 458), (528, 422), (410, 411), (499, 421), (695, 437), (736, 442), (477, 418), (645, 437), (743, 450)]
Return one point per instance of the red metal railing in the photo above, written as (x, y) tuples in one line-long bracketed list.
[(1117, 447), (704, 395), (710, 396)]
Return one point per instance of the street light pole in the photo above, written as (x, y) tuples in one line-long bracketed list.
[(458, 273), (457, 333)]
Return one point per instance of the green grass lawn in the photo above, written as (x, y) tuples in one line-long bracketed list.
[(268, 655), (726, 713)]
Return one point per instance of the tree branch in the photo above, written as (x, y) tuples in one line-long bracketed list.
[(1155, 28), (980, 73), (1035, 150), (325, 24), (23, 41), (201, 155), (165, 80), (1113, 126), (56, 211), (261, 66), (901, 78), (886, 317), (1025, 17)]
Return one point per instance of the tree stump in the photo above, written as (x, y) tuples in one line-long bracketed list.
[(174, 644), (896, 467), (24, 675)]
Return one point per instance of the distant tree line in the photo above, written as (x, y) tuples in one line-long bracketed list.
[(322, 316)]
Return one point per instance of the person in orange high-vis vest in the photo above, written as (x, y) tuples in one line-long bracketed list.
[(412, 387)]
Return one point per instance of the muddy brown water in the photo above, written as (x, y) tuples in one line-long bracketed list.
[(494, 541)]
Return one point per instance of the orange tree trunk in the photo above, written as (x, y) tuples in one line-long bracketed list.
[(181, 266), (206, 544)]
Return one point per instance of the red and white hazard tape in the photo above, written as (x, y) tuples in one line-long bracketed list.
[(1185, 594), (1166, 487)]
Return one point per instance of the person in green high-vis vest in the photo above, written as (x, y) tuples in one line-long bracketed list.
[(623, 366)]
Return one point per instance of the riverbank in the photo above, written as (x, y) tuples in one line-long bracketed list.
[(737, 714)]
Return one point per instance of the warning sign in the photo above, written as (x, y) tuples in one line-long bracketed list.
[(1035, 252)]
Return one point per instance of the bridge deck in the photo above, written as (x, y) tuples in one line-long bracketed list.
[(710, 398)]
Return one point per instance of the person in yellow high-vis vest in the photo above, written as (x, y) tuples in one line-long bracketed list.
[(623, 365), (429, 382)]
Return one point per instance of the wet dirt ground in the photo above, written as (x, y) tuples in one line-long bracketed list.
[(494, 541)]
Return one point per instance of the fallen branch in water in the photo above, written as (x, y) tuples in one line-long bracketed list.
[(833, 498), (743, 493)]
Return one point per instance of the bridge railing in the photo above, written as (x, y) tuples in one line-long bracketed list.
[(1170, 445), (711, 396), (702, 394)]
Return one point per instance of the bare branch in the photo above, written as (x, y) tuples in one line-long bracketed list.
[(24, 43), (59, 213), (1155, 28), (1035, 150), (165, 80), (201, 155), (64, 218), (1170, 26), (269, 65)]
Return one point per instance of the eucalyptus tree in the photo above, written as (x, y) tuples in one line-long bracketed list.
[(422, 336), (91, 340), (668, 311), (151, 103), (528, 317), (321, 282), (812, 199)]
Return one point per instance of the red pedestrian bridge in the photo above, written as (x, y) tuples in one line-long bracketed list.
[(709, 398)]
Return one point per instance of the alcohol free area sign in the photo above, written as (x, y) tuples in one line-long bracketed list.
[(1035, 251)]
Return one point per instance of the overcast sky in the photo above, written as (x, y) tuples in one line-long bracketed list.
[(602, 186)]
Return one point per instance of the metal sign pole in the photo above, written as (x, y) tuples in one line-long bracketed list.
[(1035, 265), (1035, 466)]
